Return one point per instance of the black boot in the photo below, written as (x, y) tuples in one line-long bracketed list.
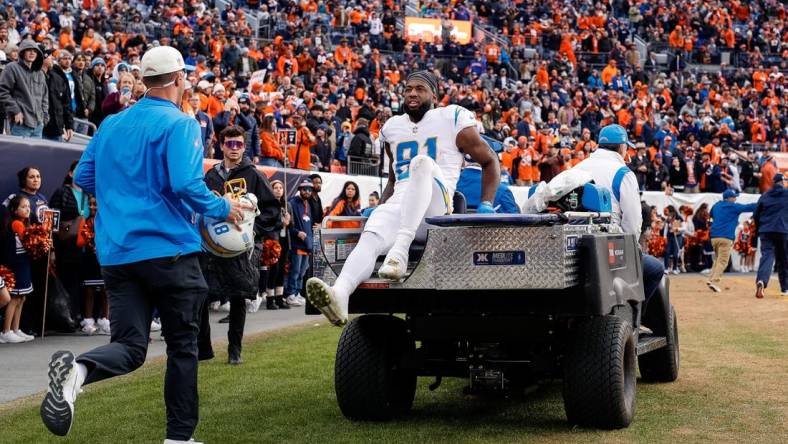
[(270, 303), (280, 302), (234, 355)]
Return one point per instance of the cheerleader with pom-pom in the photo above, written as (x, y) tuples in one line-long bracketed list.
[(92, 281), (16, 257), (744, 245), (5, 297)]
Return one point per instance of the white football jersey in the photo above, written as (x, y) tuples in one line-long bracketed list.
[(435, 135)]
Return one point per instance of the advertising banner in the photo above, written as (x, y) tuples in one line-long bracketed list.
[(427, 29)]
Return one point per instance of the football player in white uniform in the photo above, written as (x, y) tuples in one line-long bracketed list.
[(425, 147)]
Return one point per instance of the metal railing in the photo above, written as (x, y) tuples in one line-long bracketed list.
[(363, 166)]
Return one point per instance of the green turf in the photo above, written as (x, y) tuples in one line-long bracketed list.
[(284, 393)]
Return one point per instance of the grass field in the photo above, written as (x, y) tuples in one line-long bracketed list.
[(732, 388)]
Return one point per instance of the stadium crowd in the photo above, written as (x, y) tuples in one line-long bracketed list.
[(314, 83)]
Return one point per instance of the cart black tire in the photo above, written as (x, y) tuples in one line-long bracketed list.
[(662, 365), (600, 378), (369, 381)]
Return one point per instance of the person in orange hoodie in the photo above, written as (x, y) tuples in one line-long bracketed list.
[(676, 39), (287, 65), (300, 154), (542, 78), (342, 53), (216, 103), (66, 38), (271, 152), (609, 72), (759, 79)]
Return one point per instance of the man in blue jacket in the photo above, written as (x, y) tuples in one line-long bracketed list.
[(771, 218), (300, 243), (145, 167), (724, 218)]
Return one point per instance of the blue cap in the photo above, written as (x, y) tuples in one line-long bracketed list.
[(779, 177), (614, 135), (97, 61), (727, 194)]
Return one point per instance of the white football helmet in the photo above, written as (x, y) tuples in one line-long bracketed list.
[(223, 239)]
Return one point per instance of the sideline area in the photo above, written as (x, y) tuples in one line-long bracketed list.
[(23, 367), (731, 388)]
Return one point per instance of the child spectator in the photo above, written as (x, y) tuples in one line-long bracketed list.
[(745, 245), (674, 229), (92, 282), (16, 258)]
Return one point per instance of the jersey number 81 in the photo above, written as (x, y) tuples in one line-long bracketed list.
[(406, 151)]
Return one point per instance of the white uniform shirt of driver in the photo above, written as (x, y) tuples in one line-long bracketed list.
[(603, 164), (434, 135)]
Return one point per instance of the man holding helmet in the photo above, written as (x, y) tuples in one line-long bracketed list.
[(236, 277), (145, 167)]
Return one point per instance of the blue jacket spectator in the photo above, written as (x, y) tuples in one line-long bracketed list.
[(594, 82), (725, 216), (771, 214), (302, 221), (771, 218)]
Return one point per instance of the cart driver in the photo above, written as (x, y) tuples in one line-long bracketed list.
[(609, 170), (425, 147)]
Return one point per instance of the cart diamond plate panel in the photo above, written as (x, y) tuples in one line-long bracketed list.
[(480, 258)]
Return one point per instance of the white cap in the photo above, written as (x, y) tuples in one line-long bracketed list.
[(203, 84), (161, 60)]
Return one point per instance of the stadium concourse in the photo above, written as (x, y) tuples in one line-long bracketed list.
[(699, 85)]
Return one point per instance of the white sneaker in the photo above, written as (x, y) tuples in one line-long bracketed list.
[(393, 269), (57, 409), (2, 339), (173, 441), (214, 306), (705, 271), (103, 327), (324, 299), (676, 271), (252, 305), (257, 302), (714, 287), (24, 335), (88, 326), (225, 307), (11, 338), (155, 325), (301, 299), (293, 300), (784, 293)]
